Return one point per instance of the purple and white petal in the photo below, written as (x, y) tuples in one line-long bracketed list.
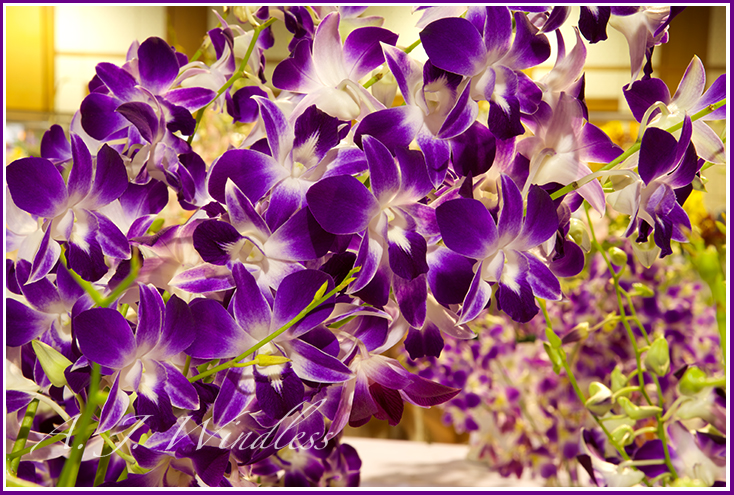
[(541, 220), (657, 154), (80, 175), (641, 95), (236, 392), (242, 213), (544, 283), (105, 337), (467, 227), (279, 131), (23, 323), (98, 116), (182, 393), (45, 258), (715, 93), (528, 47), (286, 198), (393, 127), (217, 334), (510, 220), (150, 319), (454, 44), (411, 296), (157, 65), (54, 146), (218, 242), (328, 56), (406, 253), (192, 99), (363, 51), (110, 179), (691, 85), (300, 238), (119, 81), (295, 293), (178, 330), (384, 173), (36, 186), (250, 309), (476, 298), (313, 364), (114, 408), (112, 242), (253, 172), (204, 278), (342, 204)]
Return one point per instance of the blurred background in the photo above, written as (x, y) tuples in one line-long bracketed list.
[(51, 53)]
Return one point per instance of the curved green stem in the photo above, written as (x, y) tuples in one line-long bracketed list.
[(104, 462), (634, 148), (380, 75), (238, 74), (232, 363), (25, 429)]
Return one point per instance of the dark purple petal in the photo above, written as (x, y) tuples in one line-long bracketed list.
[(236, 391), (46, 257), (384, 174), (153, 400), (411, 296), (407, 253), (42, 294), (597, 146), (369, 259), (504, 116), (24, 324), (342, 204), (277, 402), (242, 107), (110, 179), (436, 152), (251, 310), (279, 131), (88, 260), (114, 408), (362, 50), (715, 93), (242, 213), (285, 198), (426, 393), (157, 65), (105, 337), (541, 220), (15, 400), (476, 298), (205, 278), (511, 211), (450, 275), (80, 176), (528, 48), (143, 117), (99, 118), (143, 199), (215, 241), (182, 393), (593, 23), (297, 73), (69, 290), (517, 301), (119, 81), (36, 186), (210, 464), (544, 283), (217, 334), (192, 99), (393, 127), (112, 242), (253, 172), (497, 29), (473, 151), (54, 146), (313, 364), (461, 116), (686, 171), (150, 319), (657, 154), (454, 44), (415, 183), (301, 238), (295, 292), (316, 132), (178, 329), (641, 95), (424, 342), (467, 227), (571, 263)]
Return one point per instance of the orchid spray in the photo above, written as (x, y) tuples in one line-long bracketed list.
[(230, 343)]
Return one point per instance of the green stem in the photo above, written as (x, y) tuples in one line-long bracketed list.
[(187, 365), (313, 305), (104, 461), (634, 148), (86, 286), (49, 441), (73, 462), (25, 429), (114, 448), (126, 282), (661, 430), (238, 74)]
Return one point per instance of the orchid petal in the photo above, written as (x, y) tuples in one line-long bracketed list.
[(467, 227), (36, 186), (105, 337)]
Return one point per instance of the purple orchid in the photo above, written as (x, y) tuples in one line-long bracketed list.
[(563, 145), (142, 360), (479, 47), (278, 388), (392, 251), (329, 73), (503, 248), (652, 105), (70, 208), (667, 168)]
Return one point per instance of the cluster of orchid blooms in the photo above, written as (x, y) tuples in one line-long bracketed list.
[(234, 348), (522, 417)]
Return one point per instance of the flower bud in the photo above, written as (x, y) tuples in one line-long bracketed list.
[(554, 356), (577, 231), (657, 359), (693, 381), (52, 361), (385, 88), (646, 252), (617, 256), (637, 412), (268, 360), (623, 435), (553, 339), (577, 333), (643, 290), (600, 400), (619, 380), (686, 482)]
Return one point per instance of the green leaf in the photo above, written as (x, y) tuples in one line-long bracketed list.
[(52, 361)]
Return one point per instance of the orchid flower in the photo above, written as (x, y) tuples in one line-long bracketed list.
[(329, 73), (503, 248)]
